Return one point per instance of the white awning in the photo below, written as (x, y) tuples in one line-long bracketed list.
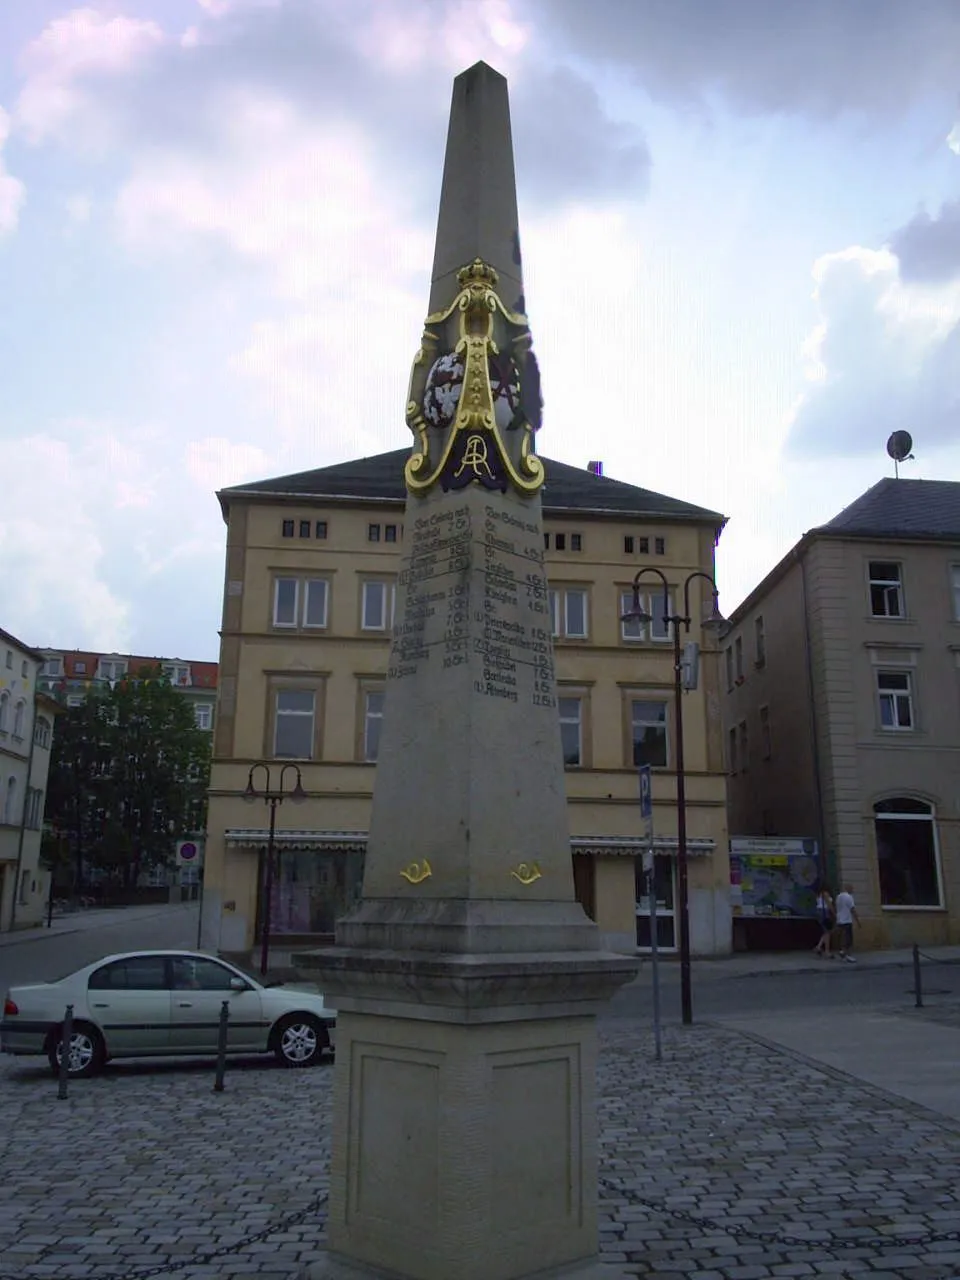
[(356, 842)]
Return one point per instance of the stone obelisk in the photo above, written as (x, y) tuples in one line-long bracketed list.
[(468, 978)]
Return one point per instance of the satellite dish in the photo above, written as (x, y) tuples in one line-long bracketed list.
[(899, 445)]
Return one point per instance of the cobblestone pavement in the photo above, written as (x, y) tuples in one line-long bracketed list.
[(727, 1160)]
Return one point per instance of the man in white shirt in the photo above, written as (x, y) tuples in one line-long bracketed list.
[(846, 915)]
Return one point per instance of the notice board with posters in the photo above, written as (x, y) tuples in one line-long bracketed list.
[(773, 877)]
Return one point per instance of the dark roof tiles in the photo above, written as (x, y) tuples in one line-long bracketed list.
[(911, 509), (566, 489)]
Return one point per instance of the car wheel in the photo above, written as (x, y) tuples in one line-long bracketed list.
[(86, 1055), (299, 1040)]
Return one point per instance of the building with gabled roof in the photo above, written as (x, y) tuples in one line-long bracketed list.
[(842, 706), (69, 675), (311, 564)]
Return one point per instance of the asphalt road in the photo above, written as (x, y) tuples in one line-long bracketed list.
[(41, 956)]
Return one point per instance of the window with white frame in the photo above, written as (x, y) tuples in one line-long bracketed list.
[(300, 602), (648, 725), (34, 810), (571, 730), (293, 736), (376, 605), (908, 854), (19, 712), (659, 609), (895, 693), (176, 674), (52, 667), (886, 589), (569, 612), (372, 723), (111, 669), (75, 700), (286, 601), (316, 594), (955, 586), (203, 715), (42, 732)]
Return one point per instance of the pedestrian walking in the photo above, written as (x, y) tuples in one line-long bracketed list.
[(846, 916), (826, 916)]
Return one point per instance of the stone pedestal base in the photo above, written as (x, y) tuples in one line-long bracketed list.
[(464, 1151), (334, 1268)]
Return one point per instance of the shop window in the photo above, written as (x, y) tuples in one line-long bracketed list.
[(293, 737), (571, 730), (907, 853), (312, 889), (886, 590), (895, 693), (648, 724)]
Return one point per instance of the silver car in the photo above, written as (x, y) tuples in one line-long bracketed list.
[(152, 1003)]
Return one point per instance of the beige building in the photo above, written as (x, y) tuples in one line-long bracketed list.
[(26, 735), (842, 707), (312, 560)]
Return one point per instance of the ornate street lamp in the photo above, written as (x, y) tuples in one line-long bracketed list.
[(273, 798), (715, 621)]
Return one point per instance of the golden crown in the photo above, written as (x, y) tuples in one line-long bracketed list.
[(477, 271)]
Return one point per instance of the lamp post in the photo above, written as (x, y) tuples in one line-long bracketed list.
[(714, 622), (273, 798)]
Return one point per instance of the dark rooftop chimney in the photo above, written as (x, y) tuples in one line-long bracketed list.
[(595, 468)]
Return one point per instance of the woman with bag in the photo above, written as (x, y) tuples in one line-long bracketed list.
[(825, 919)]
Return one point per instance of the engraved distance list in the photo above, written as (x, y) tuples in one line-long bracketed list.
[(510, 603)]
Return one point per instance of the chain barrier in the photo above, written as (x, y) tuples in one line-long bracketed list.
[(174, 1264), (878, 1242)]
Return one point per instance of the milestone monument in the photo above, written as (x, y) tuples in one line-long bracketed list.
[(468, 978)]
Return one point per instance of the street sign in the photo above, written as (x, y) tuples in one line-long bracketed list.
[(187, 851)]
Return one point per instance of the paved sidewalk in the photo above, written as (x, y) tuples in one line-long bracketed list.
[(730, 1160), (744, 964)]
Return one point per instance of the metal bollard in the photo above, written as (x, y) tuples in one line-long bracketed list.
[(917, 979), (66, 1039), (222, 1046)]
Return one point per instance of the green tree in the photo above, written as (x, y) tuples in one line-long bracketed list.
[(129, 775)]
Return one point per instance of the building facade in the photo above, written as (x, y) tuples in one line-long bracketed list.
[(27, 717), (69, 674), (312, 561), (841, 707)]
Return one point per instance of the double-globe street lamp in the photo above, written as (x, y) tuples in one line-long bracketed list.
[(273, 798), (715, 621)]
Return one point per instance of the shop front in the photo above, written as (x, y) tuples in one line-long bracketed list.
[(773, 892)]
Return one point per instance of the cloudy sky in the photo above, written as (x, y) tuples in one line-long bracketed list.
[(741, 230)]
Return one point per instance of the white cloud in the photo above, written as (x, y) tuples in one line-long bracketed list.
[(12, 190), (78, 207), (82, 44), (884, 356), (216, 463)]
